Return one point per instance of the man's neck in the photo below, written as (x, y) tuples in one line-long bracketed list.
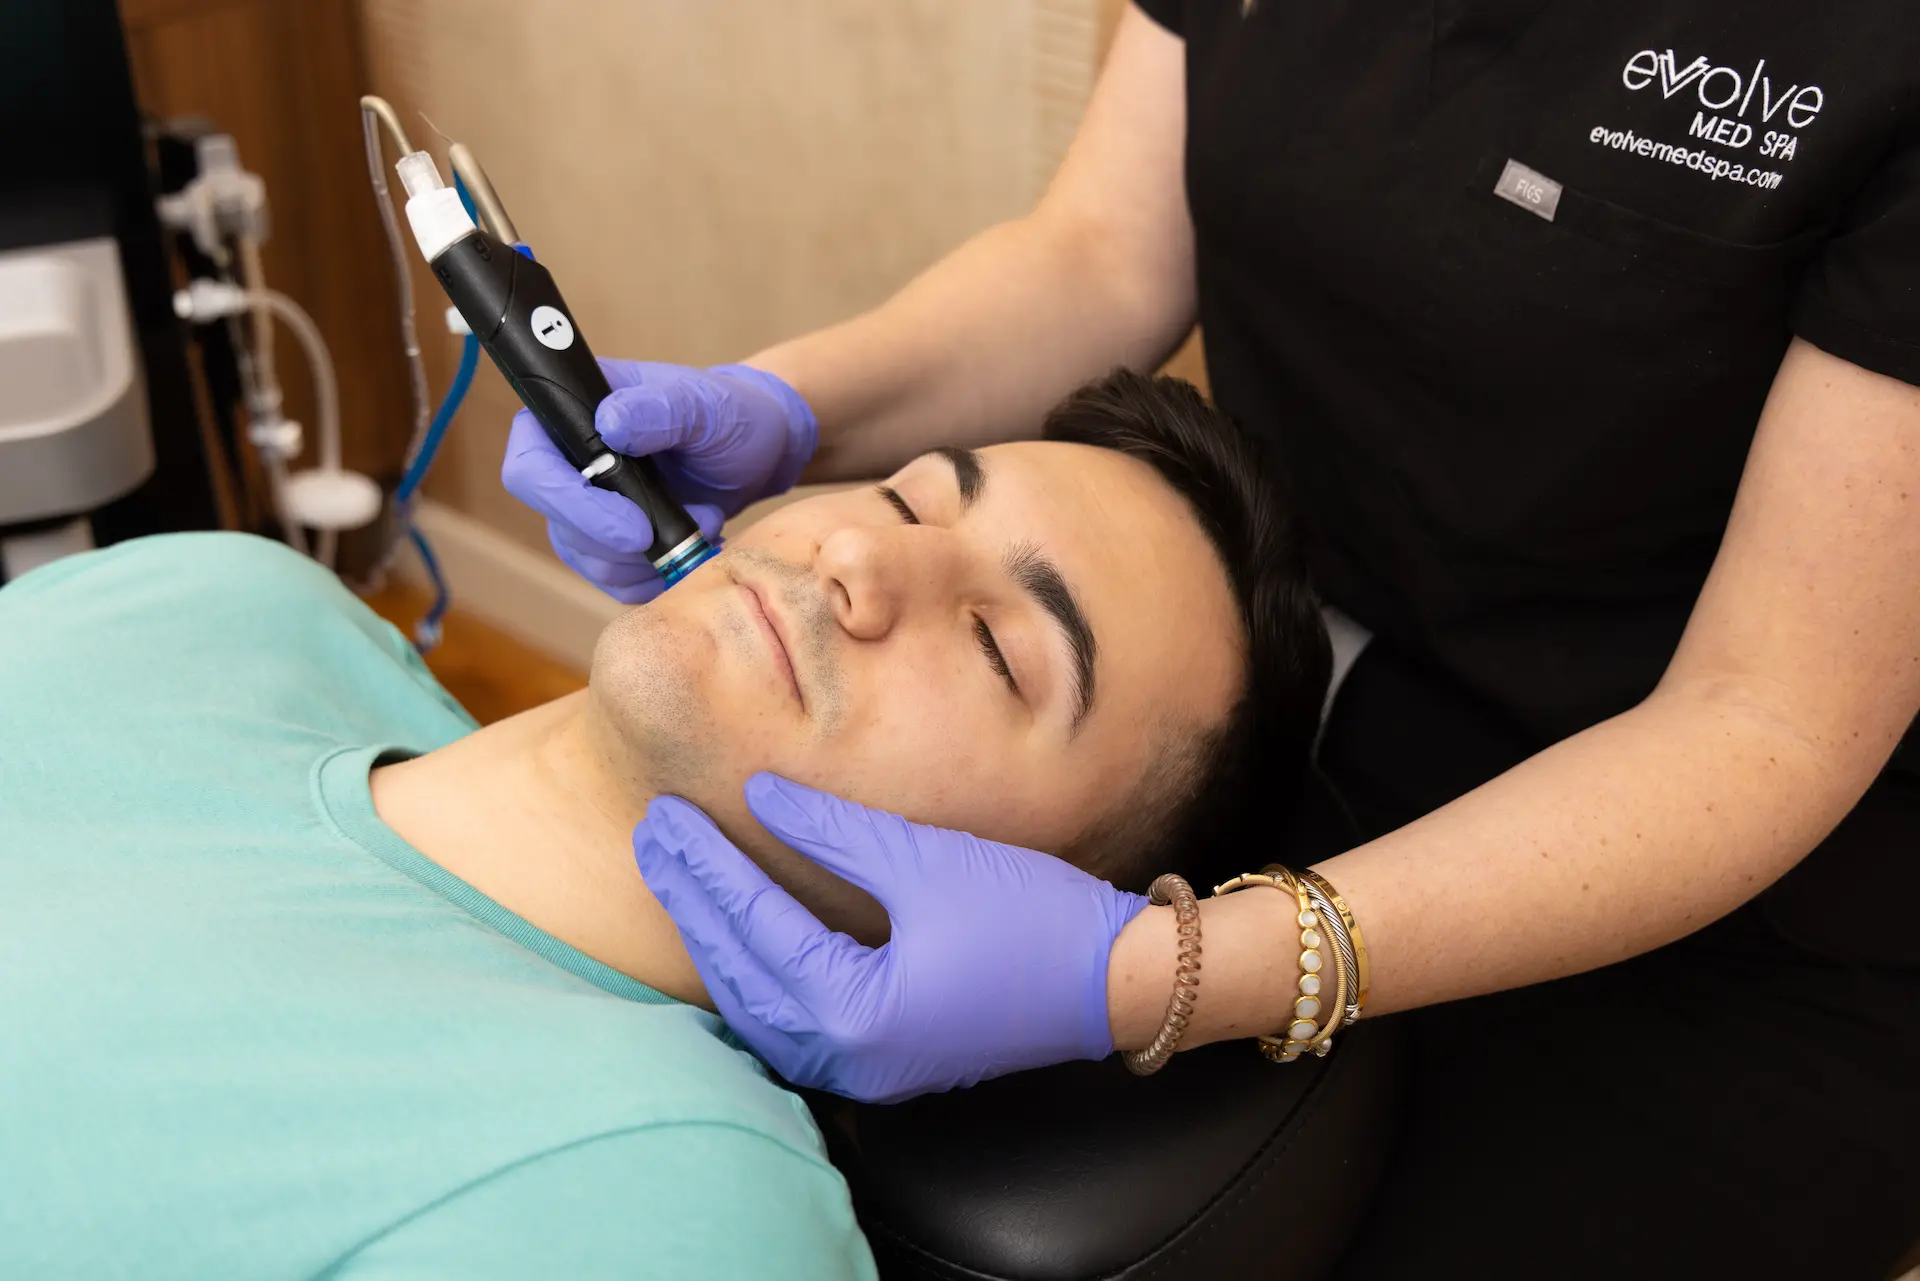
[(537, 813)]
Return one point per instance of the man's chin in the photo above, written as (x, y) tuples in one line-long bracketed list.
[(644, 690)]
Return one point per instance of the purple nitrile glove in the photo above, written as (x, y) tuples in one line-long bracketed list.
[(725, 436), (997, 960)]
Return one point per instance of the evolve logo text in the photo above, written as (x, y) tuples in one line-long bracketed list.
[(1733, 97)]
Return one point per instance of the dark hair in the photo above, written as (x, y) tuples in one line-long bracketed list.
[(1214, 801)]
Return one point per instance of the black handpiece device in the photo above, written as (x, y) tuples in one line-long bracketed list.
[(516, 311)]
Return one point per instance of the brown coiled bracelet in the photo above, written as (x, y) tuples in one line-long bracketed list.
[(1168, 888)]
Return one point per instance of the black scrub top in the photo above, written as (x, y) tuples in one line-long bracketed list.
[(1507, 281)]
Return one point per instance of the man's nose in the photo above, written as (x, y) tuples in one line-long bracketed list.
[(877, 576)]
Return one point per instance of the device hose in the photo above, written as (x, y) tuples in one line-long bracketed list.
[(375, 112), (326, 390), (326, 394), (253, 277)]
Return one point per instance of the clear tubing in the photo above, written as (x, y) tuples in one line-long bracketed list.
[(253, 278), (327, 403), (326, 389), (258, 375), (263, 400), (375, 112)]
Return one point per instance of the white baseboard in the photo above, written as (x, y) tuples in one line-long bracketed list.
[(533, 598)]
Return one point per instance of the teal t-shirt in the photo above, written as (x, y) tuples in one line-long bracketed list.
[(246, 1031)]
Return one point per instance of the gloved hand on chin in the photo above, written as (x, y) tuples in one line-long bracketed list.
[(723, 437), (997, 960)]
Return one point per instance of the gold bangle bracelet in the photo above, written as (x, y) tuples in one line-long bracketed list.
[(1304, 1031), (1363, 977)]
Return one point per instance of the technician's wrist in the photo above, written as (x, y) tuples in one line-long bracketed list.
[(1140, 976), (1247, 979)]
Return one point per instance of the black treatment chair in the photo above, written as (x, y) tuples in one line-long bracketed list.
[(1221, 1167)]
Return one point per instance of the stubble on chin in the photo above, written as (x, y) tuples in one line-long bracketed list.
[(655, 720), (646, 710)]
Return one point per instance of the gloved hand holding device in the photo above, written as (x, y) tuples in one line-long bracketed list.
[(723, 437), (997, 961)]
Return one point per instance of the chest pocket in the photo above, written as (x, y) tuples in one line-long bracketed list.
[(1678, 251), (1600, 374), (1641, 241)]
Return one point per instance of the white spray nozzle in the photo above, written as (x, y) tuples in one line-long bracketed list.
[(418, 173), (434, 210)]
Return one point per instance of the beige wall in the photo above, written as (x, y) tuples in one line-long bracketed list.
[(707, 176)]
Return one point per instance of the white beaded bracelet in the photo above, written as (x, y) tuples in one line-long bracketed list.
[(1290, 1049), (1304, 1031), (1343, 943)]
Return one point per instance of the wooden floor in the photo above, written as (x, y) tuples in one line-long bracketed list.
[(492, 674)]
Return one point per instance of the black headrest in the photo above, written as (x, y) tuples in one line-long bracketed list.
[(1222, 1166)]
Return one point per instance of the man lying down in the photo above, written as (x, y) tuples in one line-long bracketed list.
[(305, 975)]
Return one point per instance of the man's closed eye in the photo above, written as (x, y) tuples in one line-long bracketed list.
[(982, 634), (898, 503)]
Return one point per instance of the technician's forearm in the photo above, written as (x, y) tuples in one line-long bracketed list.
[(1617, 841), (1609, 844), (985, 341), (977, 348)]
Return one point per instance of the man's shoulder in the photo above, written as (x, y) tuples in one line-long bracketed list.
[(176, 564), (605, 1137), (698, 1199), (209, 638), (171, 583), (208, 546)]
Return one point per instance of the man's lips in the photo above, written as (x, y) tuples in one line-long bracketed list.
[(770, 624)]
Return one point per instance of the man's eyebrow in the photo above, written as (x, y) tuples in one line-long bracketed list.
[(1040, 578), (968, 473)]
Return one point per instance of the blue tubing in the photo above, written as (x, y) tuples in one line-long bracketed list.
[(466, 198), (456, 392), (430, 444), (426, 633)]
